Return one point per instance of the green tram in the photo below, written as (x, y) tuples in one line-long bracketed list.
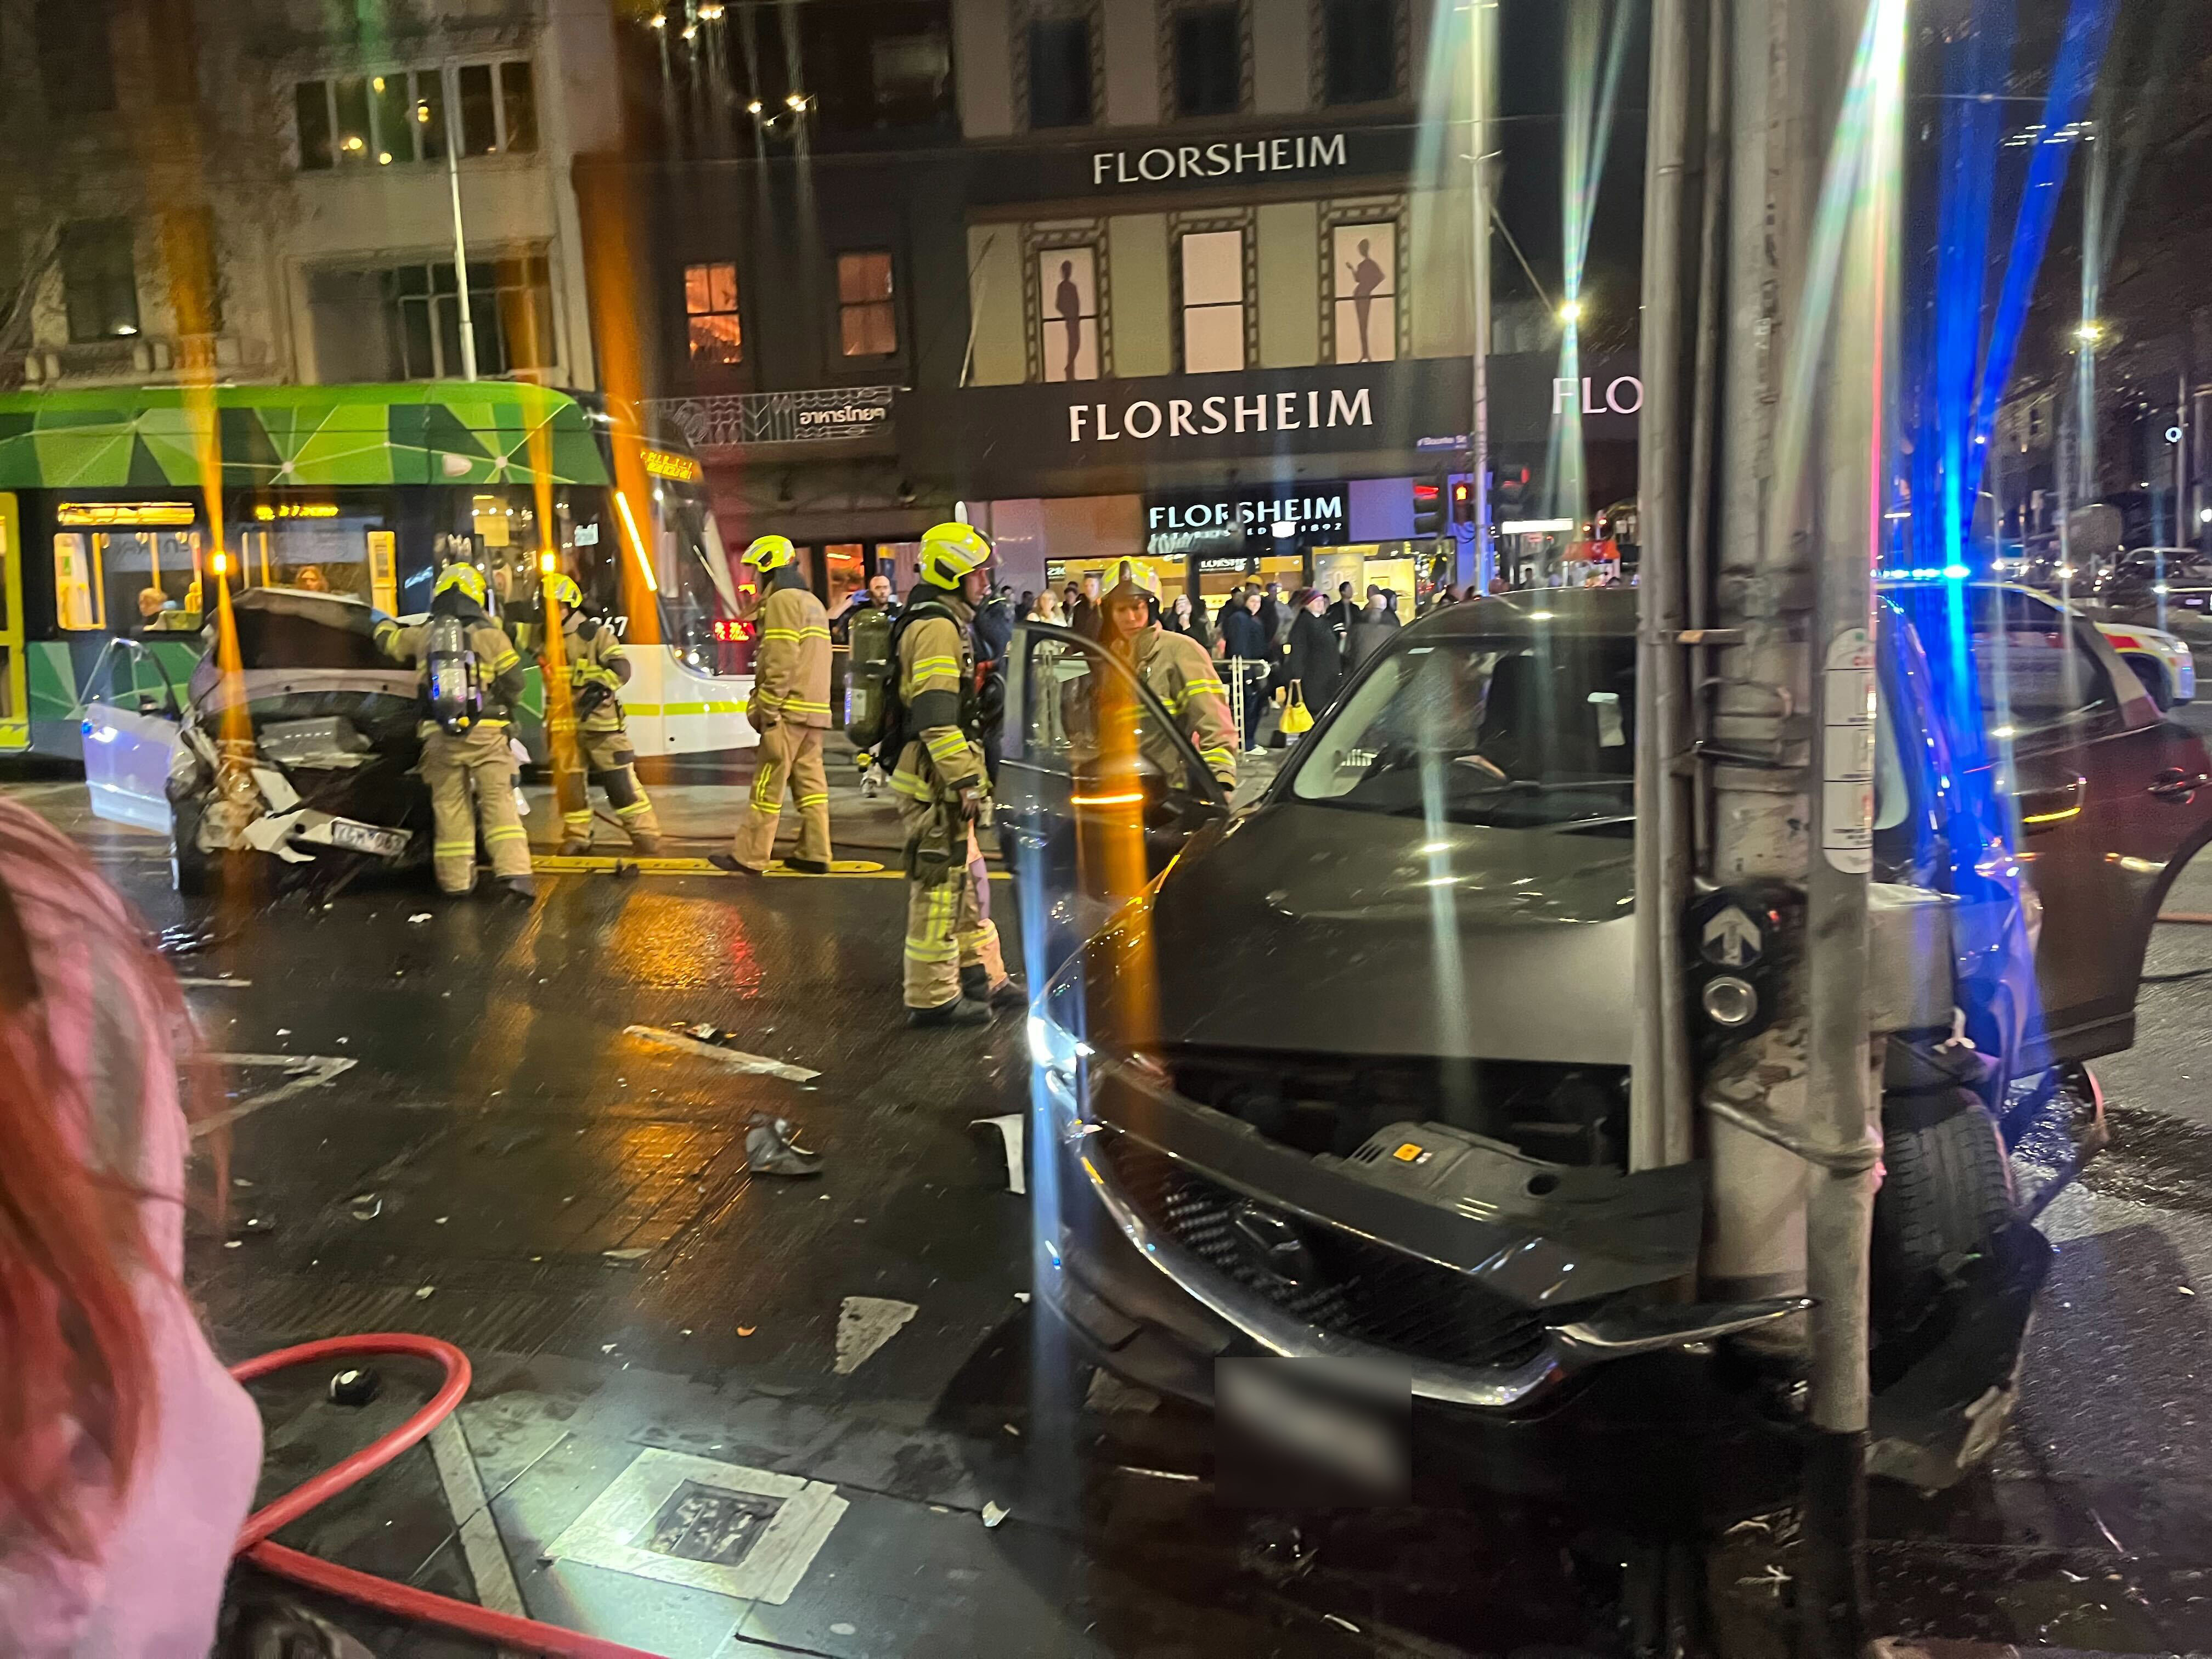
[(354, 489)]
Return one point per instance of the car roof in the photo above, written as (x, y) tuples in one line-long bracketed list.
[(1605, 611)]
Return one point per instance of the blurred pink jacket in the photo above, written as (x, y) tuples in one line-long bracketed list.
[(154, 1588)]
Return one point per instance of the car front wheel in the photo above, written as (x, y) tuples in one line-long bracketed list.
[(2154, 681)]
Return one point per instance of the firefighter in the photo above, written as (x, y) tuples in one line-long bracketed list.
[(954, 975), (791, 711), (477, 754), (598, 671), (1175, 668)]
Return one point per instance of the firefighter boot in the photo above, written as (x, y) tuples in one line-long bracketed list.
[(958, 1011), (976, 986)]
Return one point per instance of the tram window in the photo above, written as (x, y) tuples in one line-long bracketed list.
[(79, 603), (152, 578)]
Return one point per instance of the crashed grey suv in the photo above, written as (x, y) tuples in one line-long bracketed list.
[(1349, 1077), (307, 756)]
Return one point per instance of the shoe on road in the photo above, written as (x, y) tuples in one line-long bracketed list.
[(772, 1148), (575, 849), (724, 861), (518, 887), (808, 866), (958, 1011), (646, 847)]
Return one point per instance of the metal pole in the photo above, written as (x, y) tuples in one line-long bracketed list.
[(460, 251), (1481, 56), (2180, 457), (1659, 1113)]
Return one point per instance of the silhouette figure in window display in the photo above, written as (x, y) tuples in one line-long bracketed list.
[(1366, 278), (1069, 305)]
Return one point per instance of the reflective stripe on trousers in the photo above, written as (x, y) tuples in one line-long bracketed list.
[(790, 755), (948, 927), (612, 765), (476, 761)]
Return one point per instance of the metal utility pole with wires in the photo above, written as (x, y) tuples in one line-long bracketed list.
[(1771, 209)]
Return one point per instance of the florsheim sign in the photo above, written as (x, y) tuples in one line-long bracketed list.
[(1149, 163), (1390, 416), (995, 437)]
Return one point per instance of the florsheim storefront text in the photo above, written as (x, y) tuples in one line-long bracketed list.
[(1195, 417)]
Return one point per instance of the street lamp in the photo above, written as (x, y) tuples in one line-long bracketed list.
[(1571, 312), (460, 244), (2088, 332)]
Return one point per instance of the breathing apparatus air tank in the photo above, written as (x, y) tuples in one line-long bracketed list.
[(450, 684)]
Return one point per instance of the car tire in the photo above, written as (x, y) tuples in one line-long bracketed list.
[(2154, 681), (1945, 1194), (189, 873)]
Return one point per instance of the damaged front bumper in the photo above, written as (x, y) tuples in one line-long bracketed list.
[(1487, 1296)]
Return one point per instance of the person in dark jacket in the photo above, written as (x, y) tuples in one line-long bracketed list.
[(1339, 615), (1313, 665), (1083, 613), (1244, 643), (1271, 614), (1371, 628)]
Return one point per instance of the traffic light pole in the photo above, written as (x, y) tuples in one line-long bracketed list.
[(1482, 80)]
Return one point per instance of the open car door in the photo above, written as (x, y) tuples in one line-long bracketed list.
[(132, 714), (1097, 788), (2110, 797)]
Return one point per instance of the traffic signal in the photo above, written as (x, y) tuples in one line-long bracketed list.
[(1509, 494), (1428, 509), (1461, 489)]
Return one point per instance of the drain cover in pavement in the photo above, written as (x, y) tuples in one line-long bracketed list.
[(719, 1527)]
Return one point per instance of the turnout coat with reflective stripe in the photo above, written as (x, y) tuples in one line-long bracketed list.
[(791, 662), (1176, 670), (937, 663)]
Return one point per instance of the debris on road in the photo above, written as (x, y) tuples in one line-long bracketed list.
[(357, 1385), (994, 1513), (418, 917), (747, 1330), (1339, 1619), (1012, 1127), (772, 1148), (635, 1253), (366, 1206), (252, 1226), (679, 1037), (426, 1292), (865, 1323)]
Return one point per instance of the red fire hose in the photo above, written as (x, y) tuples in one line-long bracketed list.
[(402, 1600)]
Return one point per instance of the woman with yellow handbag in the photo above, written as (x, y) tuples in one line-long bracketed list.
[(1312, 669)]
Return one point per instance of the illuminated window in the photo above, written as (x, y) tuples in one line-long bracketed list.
[(1364, 277), (1067, 315), (1213, 301), (710, 311), (399, 116), (867, 321), (79, 603)]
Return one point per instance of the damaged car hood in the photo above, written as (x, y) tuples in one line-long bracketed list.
[(1320, 929)]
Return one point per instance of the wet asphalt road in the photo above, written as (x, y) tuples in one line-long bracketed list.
[(496, 1135)]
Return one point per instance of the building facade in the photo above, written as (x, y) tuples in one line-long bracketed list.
[(1182, 283), (260, 186)]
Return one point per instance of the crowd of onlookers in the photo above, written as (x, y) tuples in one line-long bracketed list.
[(1274, 648)]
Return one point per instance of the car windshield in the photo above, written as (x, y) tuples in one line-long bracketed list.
[(1513, 732)]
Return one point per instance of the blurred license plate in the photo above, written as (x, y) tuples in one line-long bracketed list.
[(362, 838)]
